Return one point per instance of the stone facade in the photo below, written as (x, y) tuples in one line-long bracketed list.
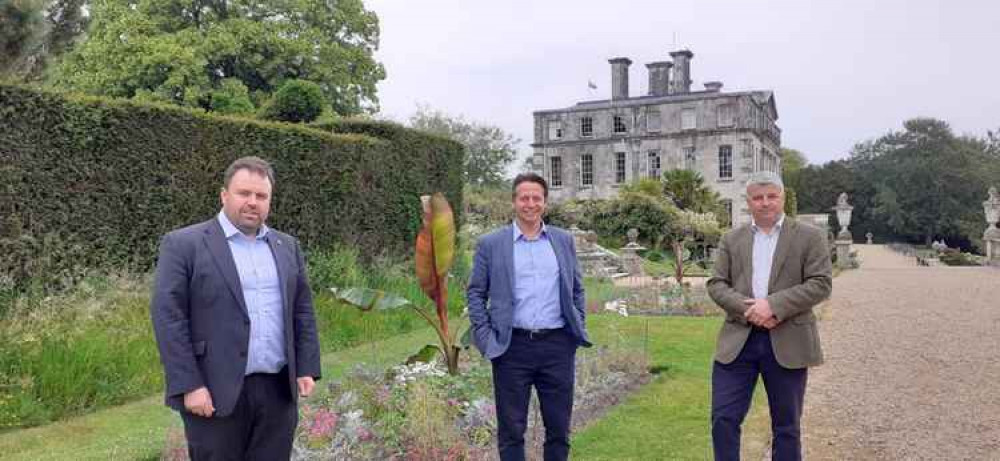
[(590, 149)]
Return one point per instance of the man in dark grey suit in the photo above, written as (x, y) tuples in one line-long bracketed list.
[(527, 309), (233, 317)]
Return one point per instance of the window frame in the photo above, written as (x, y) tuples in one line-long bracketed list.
[(689, 114), (618, 121), (621, 167), (725, 162), (555, 171), (650, 157), (689, 154), (586, 170), (585, 123)]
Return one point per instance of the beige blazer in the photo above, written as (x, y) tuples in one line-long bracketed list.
[(801, 277)]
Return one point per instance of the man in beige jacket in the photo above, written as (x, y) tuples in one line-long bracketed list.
[(768, 276)]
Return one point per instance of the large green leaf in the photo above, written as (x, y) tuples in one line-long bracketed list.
[(368, 299), (443, 230), (424, 255), (424, 355)]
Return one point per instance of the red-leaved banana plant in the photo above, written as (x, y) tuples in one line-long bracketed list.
[(435, 254)]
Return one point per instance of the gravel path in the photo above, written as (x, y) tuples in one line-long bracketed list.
[(912, 364)]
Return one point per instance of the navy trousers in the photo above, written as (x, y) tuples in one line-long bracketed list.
[(732, 392), (548, 363), (261, 427)]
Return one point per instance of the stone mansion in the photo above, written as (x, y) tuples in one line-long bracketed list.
[(588, 150)]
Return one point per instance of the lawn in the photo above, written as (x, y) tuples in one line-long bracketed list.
[(667, 419)]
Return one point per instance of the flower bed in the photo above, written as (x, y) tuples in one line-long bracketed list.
[(418, 412)]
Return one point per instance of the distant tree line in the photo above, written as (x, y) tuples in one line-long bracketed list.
[(916, 185)]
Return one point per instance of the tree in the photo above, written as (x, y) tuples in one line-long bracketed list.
[(700, 208), (488, 149), (924, 182), (34, 33), (688, 191), (22, 31), (296, 101), (181, 52)]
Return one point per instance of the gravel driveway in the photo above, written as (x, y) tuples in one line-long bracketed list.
[(912, 366)]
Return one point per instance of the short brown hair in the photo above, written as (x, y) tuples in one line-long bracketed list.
[(530, 177), (251, 164)]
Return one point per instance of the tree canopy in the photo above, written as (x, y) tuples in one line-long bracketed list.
[(917, 184), (488, 149), (181, 52)]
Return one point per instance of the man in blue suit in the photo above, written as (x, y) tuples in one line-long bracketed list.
[(527, 309), (233, 317)]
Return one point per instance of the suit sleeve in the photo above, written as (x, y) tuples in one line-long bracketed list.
[(817, 281), (579, 296), (720, 284), (307, 354), (170, 312), (477, 294)]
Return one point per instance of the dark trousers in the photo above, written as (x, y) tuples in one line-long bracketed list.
[(548, 362), (261, 427), (732, 391)]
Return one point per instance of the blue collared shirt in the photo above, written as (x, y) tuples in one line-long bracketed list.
[(262, 294), (536, 282), (763, 256)]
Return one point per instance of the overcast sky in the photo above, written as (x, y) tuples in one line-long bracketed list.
[(843, 71)]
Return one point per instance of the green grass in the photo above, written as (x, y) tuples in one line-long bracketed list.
[(93, 347), (668, 418), (139, 429)]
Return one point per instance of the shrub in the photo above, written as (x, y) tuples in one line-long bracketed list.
[(99, 181), (295, 101), (232, 98)]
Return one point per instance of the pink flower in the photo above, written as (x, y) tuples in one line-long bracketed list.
[(323, 424)]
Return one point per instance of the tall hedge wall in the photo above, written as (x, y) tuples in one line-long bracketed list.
[(94, 183)]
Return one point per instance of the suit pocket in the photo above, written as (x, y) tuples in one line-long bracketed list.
[(199, 348)]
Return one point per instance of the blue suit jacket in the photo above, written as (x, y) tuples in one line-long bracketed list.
[(200, 317), (491, 289)]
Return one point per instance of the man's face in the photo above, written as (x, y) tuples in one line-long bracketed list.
[(766, 203), (529, 203), (247, 200)]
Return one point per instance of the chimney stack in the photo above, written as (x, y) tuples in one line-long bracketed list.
[(682, 71), (659, 78), (619, 77), (713, 87)]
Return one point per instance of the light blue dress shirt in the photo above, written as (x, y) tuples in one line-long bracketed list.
[(262, 294), (763, 256), (536, 282)]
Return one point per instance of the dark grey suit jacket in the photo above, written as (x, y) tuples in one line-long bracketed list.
[(490, 293), (200, 317)]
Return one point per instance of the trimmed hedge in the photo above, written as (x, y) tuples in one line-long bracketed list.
[(93, 183)]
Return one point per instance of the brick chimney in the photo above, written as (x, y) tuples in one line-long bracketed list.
[(681, 82), (619, 77), (659, 78)]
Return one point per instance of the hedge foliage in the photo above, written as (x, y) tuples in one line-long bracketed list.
[(93, 183)]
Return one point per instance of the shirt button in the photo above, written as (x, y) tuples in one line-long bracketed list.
[(243, 354)]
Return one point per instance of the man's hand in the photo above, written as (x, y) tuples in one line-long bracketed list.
[(759, 313), (306, 385), (199, 402)]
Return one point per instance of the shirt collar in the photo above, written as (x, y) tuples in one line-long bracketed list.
[(230, 230), (774, 230), (518, 234)]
